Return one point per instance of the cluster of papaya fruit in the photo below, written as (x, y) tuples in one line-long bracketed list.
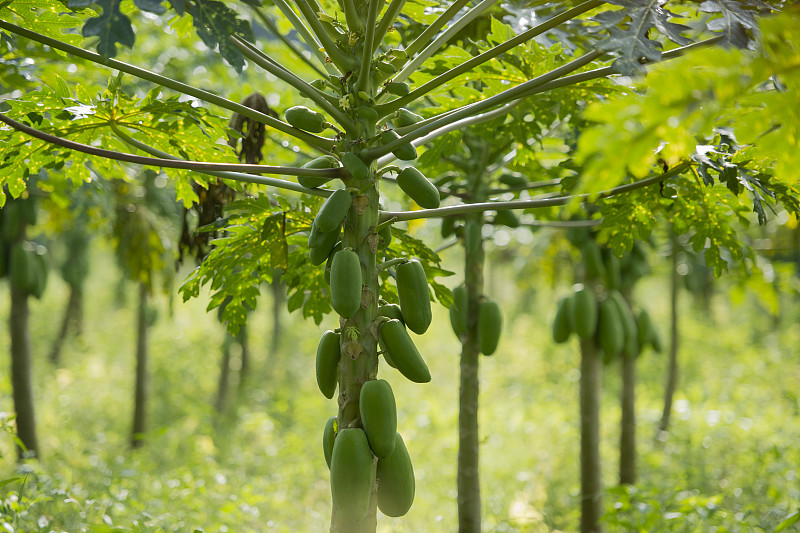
[(490, 320), (22, 260), (608, 319), (349, 452)]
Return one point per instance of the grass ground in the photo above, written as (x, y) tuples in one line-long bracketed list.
[(730, 462)]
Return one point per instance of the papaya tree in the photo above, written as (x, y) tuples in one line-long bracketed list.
[(372, 55)]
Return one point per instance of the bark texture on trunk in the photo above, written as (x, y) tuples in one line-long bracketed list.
[(21, 374), (627, 440), (469, 489), (672, 372), (591, 477), (140, 395)]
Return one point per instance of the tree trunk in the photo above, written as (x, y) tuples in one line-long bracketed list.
[(244, 368), (627, 440), (469, 490), (21, 375), (224, 374), (278, 298), (672, 373), (71, 318), (359, 343), (591, 477), (140, 399)]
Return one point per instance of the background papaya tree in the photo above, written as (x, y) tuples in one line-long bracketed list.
[(356, 100)]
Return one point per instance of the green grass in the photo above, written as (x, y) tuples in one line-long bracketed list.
[(730, 462)]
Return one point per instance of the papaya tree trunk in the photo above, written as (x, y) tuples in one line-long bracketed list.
[(21, 375), (278, 299), (71, 318), (244, 369), (469, 489), (224, 374), (672, 372), (627, 440), (591, 478), (140, 395), (359, 343)]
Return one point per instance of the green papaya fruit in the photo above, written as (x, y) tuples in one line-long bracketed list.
[(355, 166), (318, 84), (592, 260), (610, 332), (305, 119), (322, 162), (448, 226), (403, 353), (415, 299), (386, 236), (378, 416), (21, 268), (321, 245), (13, 220), (418, 188), (513, 180), (613, 272), (346, 283), (351, 478), (29, 210), (629, 326), (490, 326), (333, 210), (644, 328), (395, 476), (562, 329), (405, 117), (584, 313), (39, 273), (386, 356), (328, 438), (328, 355), (507, 218), (458, 311), (577, 235), (391, 311), (404, 152), (367, 113), (336, 248), (397, 88)]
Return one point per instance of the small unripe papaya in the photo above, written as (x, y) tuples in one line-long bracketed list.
[(415, 299), (396, 485), (336, 248), (391, 311), (305, 119), (333, 211), (385, 234), (628, 320), (357, 168), (322, 162), (613, 272), (610, 333), (448, 226), (584, 313), (404, 152), (378, 410), (328, 355), (404, 354), (458, 311), (351, 477), (398, 88), (405, 117), (328, 437), (490, 326), (562, 329), (418, 188), (592, 260), (346, 283), (513, 180), (321, 245), (507, 218)]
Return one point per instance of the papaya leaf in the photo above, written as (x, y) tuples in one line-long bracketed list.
[(215, 23), (629, 32), (735, 20)]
